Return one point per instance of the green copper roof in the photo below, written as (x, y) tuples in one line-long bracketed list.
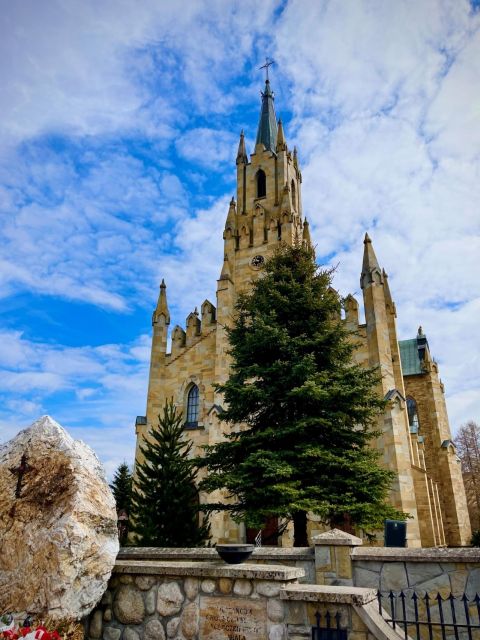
[(267, 125), (410, 357)]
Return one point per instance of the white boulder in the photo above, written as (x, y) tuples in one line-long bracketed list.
[(58, 524)]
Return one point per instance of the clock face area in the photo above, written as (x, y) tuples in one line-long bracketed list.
[(257, 262)]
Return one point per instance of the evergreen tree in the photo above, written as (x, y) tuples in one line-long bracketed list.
[(122, 492), (307, 410), (165, 503), (122, 488)]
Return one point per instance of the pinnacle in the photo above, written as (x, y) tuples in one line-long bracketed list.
[(162, 305), (370, 261), (242, 151), (281, 144)]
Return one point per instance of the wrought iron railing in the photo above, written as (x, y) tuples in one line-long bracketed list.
[(331, 630), (428, 617)]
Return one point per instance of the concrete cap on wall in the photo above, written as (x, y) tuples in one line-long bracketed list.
[(337, 537)]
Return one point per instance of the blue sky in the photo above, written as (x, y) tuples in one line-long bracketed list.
[(118, 135)]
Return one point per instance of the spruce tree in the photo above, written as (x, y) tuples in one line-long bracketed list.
[(307, 410), (122, 492), (165, 508), (122, 488)]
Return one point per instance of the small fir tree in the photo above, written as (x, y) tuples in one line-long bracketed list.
[(307, 410), (165, 505), (122, 488), (122, 492)]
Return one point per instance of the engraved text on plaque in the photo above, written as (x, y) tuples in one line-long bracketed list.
[(232, 619)]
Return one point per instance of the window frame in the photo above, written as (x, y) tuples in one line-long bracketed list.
[(258, 175), (192, 409)]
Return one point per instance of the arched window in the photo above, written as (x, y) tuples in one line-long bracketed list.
[(412, 414), (294, 196), (261, 184), (192, 406)]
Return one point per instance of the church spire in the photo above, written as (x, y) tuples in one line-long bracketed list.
[(267, 125)]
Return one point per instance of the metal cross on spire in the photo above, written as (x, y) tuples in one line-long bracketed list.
[(268, 63)]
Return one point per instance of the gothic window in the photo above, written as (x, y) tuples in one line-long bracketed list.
[(279, 231), (294, 196), (412, 414), (192, 406), (261, 184)]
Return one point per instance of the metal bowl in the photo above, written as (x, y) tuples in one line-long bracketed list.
[(234, 553)]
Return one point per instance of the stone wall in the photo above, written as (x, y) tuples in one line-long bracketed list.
[(339, 559), (422, 570), (300, 557), (158, 600), (154, 600)]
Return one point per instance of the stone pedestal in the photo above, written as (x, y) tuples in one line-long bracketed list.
[(333, 562)]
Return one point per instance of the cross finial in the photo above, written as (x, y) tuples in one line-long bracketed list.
[(268, 63)]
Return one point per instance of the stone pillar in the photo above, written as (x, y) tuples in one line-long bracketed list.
[(333, 562)]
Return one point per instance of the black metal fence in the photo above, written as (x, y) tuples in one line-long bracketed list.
[(331, 629), (428, 617)]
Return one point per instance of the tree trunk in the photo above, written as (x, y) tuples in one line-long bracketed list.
[(343, 522), (300, 537)]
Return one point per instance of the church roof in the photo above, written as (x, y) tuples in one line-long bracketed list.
[(267, 125), (410, 357)]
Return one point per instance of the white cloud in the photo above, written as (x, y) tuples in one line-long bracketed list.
[(385, 113), (104, 388), (386, 101), (207, 147)]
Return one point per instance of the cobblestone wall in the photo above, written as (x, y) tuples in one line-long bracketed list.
[(155, 600)]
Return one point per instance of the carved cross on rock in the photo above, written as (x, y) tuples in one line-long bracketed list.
[(20, 471)]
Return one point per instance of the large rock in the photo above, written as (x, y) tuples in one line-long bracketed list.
[(58, 525)]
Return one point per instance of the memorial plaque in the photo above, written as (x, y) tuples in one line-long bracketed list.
[(232, 619)]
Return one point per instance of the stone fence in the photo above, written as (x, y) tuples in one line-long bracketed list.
[(338, 559), (162, 594), (300, 557), (204, 600), (442, 570)]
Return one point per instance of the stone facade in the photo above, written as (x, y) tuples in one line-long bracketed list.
[(268, 210)]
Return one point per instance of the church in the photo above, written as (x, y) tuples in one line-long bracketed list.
[(415, 440)]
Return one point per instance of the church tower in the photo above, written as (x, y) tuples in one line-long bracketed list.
[(269, 203), (414, 441), (267, 211)]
